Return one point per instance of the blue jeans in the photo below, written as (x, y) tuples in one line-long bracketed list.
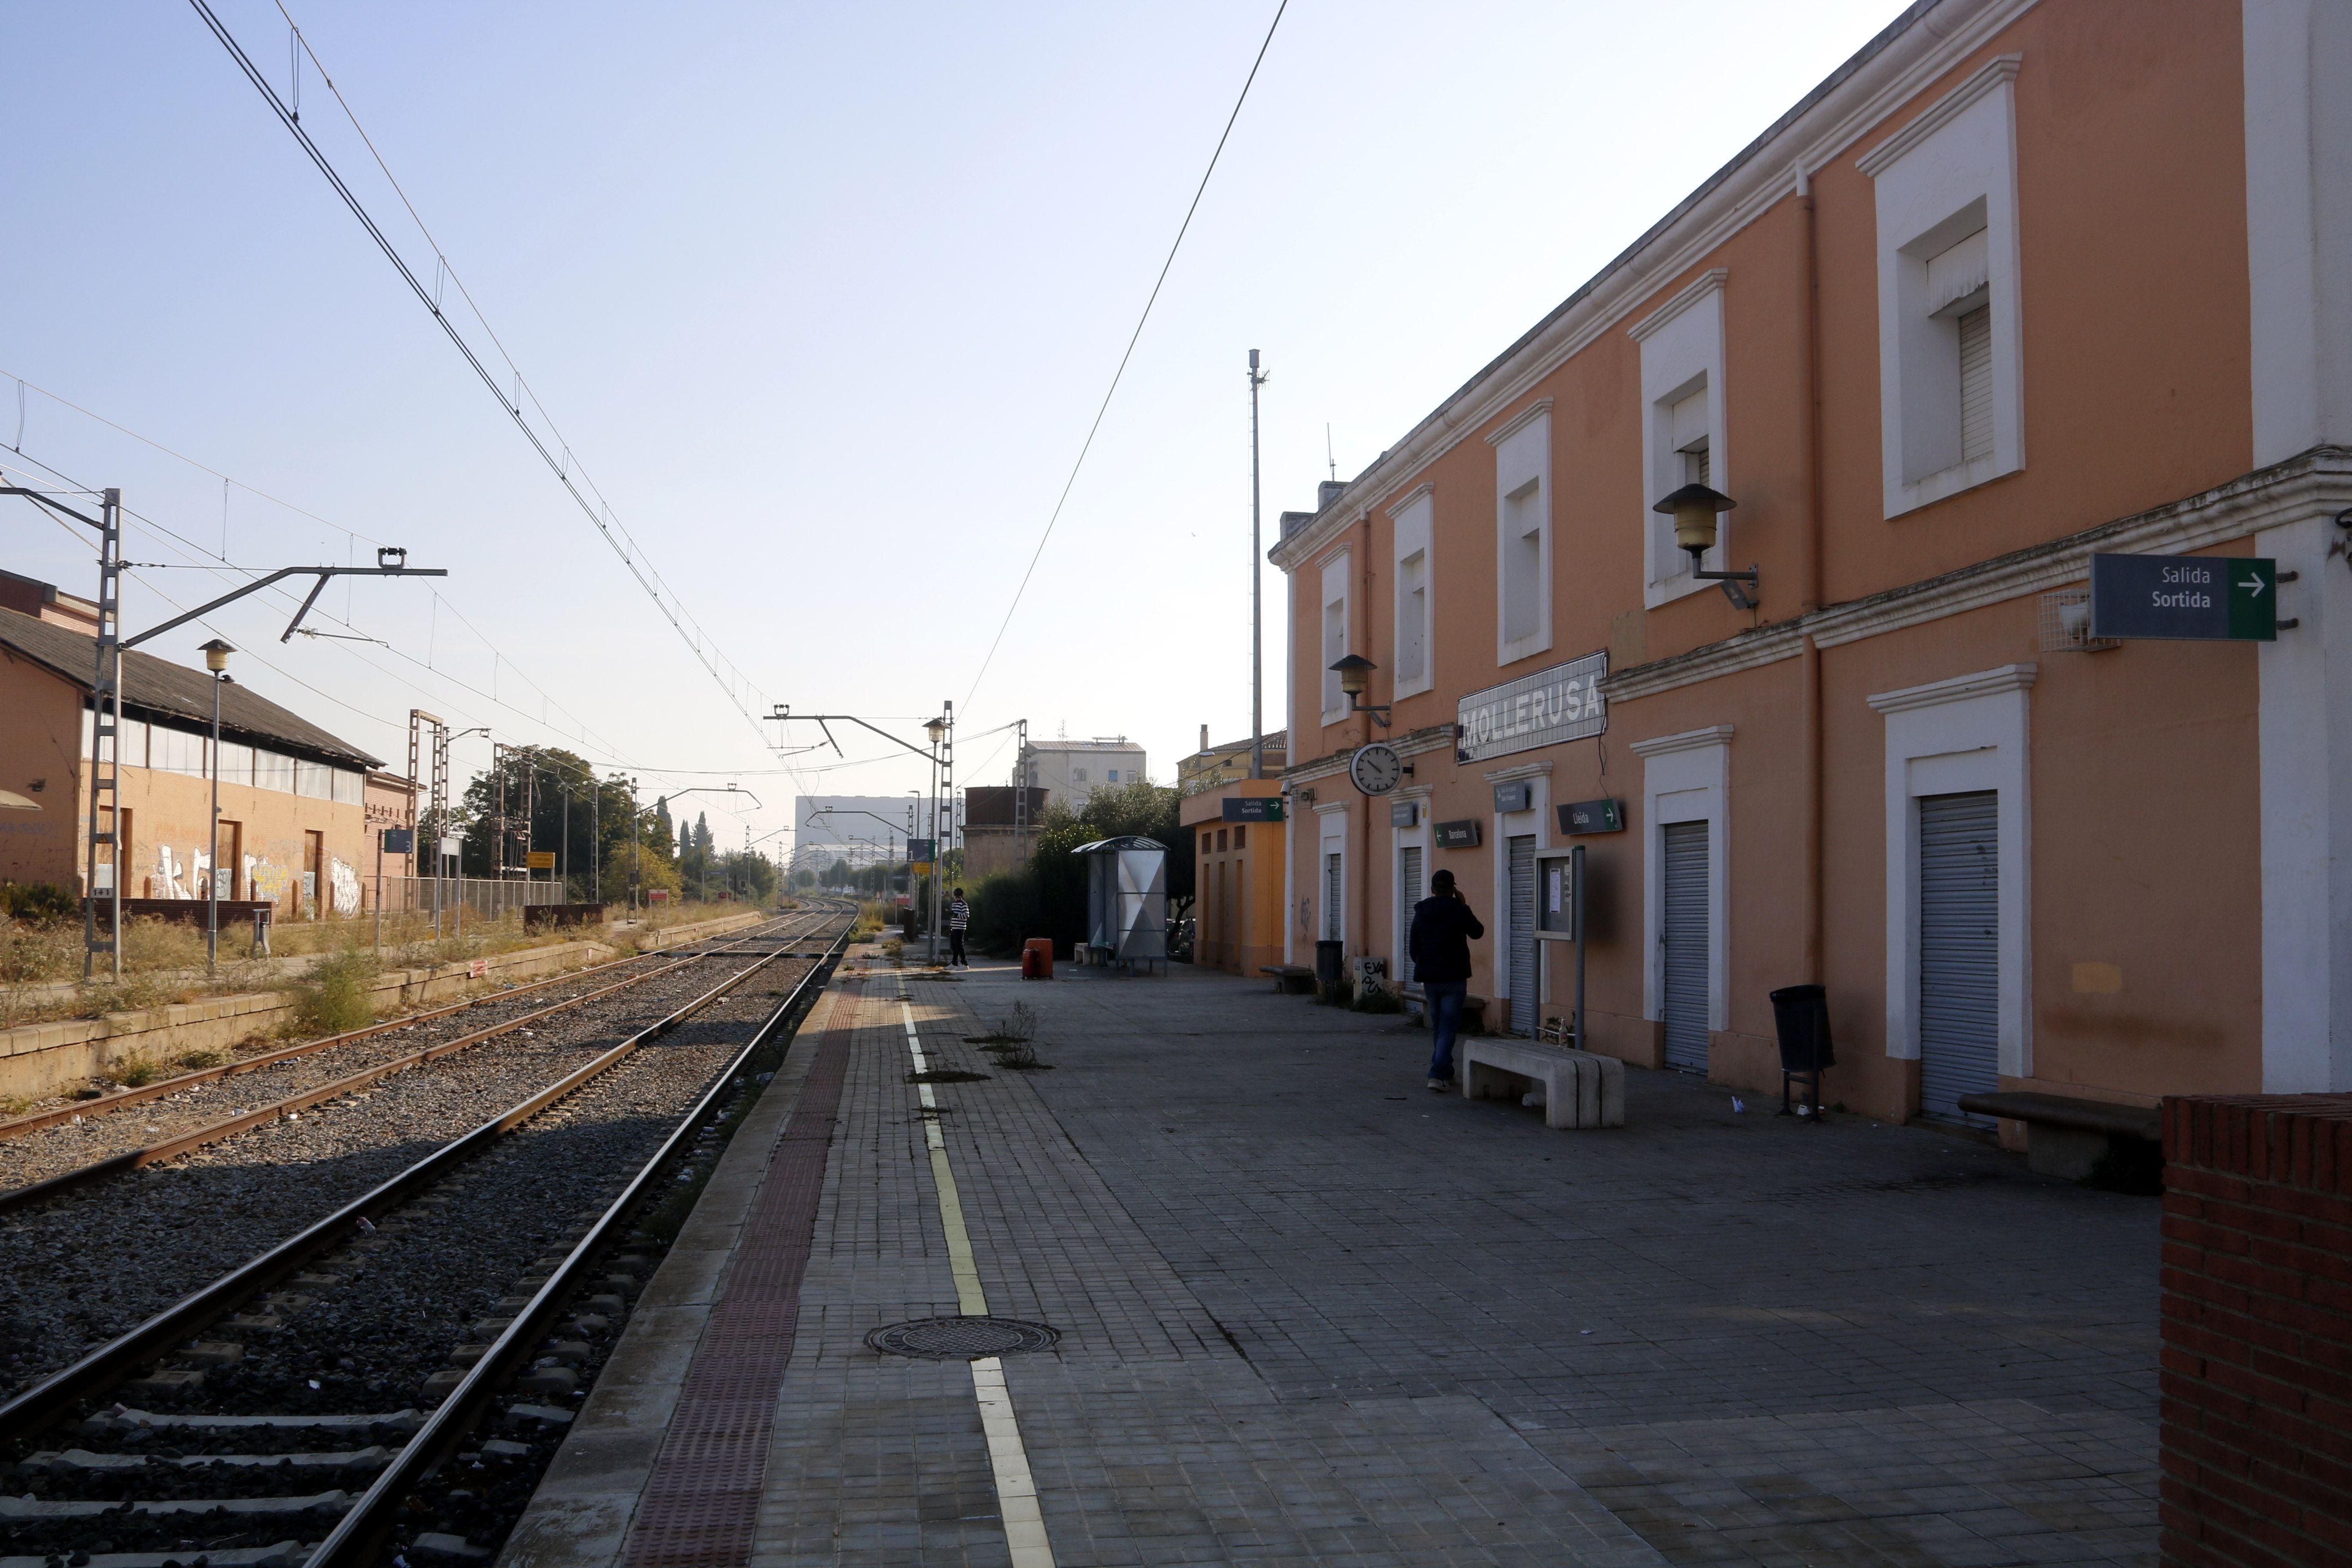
[(1444, 998)]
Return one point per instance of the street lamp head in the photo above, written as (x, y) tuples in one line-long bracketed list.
[(1694, 508), (216, 654), (935, 728), (1354, 670)]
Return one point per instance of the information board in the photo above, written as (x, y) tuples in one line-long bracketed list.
[(1562, 703)]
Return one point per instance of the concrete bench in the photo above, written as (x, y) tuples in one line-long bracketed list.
[(2064, 1136), (1579, 1090), (1290, 978)]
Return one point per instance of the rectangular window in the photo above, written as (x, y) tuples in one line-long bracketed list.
[(131, 743), (1682, 417), (1241, 838), (1221, 840), (315, 780), (1523, 535), (236, 763), (1079, 775), (1413, 517), (273, 770), (1112, 777), (1949, 342), (1335, 635)]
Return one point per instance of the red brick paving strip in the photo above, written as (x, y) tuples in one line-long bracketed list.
[(702, 1501)]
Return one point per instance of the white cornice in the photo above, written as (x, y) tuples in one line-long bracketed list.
[(1758, 179), (1332, 807), (2318, 481), (1427, 487), (1706, 283), (1519, 422), (1412, 743), (1686, 740), (1748, 650), (1959, 688), (1999, 71), (1520, 771)]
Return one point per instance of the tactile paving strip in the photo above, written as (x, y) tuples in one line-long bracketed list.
[(701, 1502)]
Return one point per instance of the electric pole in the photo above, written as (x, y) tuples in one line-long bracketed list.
[(1257, 610)]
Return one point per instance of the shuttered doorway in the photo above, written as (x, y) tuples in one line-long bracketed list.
[(1683, 936), (1522, 927), (1407, 895), (1959, 963), (1331, 911)]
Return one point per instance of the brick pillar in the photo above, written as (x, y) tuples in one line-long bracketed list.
[(2257, 1375)]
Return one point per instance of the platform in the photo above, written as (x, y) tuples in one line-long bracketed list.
[(1311, 1312)]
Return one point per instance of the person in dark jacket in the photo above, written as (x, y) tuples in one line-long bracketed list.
[(1438, 942)]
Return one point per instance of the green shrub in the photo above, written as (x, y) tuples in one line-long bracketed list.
[(136, 1073), (35, 901), (334, 997), (1378, 999)]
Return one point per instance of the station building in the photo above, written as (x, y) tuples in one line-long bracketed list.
[(1238, 829), (2019, 284), (294, 799)]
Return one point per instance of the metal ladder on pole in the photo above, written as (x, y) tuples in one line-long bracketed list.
[(105, 776)]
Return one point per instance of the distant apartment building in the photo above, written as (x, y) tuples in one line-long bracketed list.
[(2018, 288), (294, 829), (1069, 772)]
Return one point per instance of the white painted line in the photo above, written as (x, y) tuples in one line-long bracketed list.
[(1016, 1489)]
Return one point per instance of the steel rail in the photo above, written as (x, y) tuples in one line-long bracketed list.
[(360, 1532), (230, 1126), (35, 1407), (17, 1126)]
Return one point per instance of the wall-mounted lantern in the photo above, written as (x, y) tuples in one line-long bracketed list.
[(1354, 671), (1694, 508)]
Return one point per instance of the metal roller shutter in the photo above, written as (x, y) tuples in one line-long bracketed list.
[(1976, 383), (1331, 930), (1522, 927), (1407, 895), (1684, 938), (1960, 966)]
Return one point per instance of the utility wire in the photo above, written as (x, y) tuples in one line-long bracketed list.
[(1133, 338), (563, 467)]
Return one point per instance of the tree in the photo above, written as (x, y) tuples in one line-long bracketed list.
[(1047, 897)]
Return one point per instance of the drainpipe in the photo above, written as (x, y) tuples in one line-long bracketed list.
[(1809, 409), (1364, 829)]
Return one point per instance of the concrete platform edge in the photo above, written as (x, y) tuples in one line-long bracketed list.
[(579, 1517)]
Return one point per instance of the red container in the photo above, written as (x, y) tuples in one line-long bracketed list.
[(1037, 958)]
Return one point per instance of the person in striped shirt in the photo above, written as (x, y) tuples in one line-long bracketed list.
[(959, 917)]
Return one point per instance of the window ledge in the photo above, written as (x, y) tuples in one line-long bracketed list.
[(1948, 482)]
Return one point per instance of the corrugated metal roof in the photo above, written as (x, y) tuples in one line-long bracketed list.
[(174, 691)]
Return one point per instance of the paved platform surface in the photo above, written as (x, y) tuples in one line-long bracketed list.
[(1311, 1312)]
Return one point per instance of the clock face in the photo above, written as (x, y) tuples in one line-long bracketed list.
[(1377, 769)]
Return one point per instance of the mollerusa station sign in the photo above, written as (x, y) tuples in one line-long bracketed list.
[(2186, 597)]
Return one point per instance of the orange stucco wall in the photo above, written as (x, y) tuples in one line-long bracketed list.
[(2142, 790)]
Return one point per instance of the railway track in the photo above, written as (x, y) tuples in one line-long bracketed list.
[(81, 1140), (391, 1378)]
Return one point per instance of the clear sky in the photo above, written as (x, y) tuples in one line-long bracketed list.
[(824, 299)]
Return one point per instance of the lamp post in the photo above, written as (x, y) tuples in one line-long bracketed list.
[(936, 730), (216, 654)]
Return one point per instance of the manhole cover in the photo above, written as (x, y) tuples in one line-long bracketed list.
[(962, 1339)]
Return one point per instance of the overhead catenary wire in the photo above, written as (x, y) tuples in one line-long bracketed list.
[(566, 469), (1133, 338)]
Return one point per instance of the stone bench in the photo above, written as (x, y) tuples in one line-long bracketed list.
[(1290, 978), (2064, 1136), (1579, 1090)]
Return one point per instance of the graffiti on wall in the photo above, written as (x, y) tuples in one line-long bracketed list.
[(264, 880), (344, 879)]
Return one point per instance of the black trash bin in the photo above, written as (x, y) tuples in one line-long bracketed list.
[(1801, 1014), (1330, 968)]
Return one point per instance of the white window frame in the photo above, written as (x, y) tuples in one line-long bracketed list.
[(1522, 456), (1410, 519), (1682, 354), (1949, 737), (1402, 839), (1935, 181), (1336, 594), (1331, 839), (1507, 826), (1686, 777)]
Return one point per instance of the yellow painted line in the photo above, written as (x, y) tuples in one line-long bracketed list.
[(1017, 1489)]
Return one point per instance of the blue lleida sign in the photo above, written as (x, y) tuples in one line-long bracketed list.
[(2199, 598)]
